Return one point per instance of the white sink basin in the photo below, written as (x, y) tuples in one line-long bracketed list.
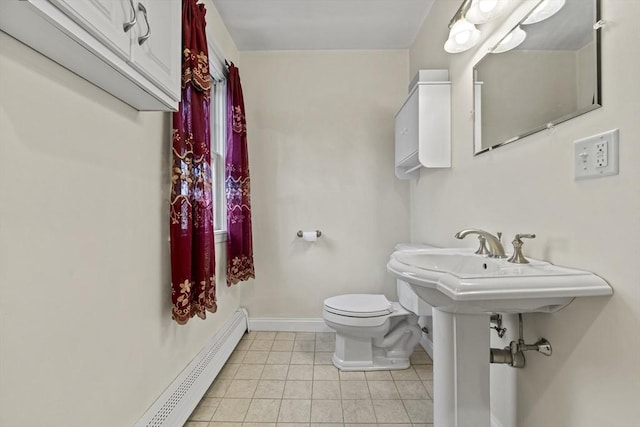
[(459, 281)]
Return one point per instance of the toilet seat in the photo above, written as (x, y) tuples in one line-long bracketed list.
[(359, 305)]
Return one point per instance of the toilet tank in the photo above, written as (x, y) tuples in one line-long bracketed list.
[(409, 299)]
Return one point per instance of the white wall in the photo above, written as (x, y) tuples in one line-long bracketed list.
[(320, 131), (85, 317), (593, 377)]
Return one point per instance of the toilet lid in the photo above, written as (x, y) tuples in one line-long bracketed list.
[(359, 305)]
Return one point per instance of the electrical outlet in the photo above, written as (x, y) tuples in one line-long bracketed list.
[(602, 153), (597, 155)]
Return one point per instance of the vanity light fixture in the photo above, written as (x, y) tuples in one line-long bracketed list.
[(464, 34), (544, 10), (482, 11), (511, 41)]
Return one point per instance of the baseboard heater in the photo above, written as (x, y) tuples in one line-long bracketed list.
[(173, 407)]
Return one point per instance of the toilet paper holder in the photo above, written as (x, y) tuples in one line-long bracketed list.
[(300, 234)]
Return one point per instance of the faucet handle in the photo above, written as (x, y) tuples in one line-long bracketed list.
[(518, 257), (482, 250)]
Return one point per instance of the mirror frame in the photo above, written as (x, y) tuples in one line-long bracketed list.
[(552, 123)]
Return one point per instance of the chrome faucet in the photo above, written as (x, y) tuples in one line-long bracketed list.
[(495, 247)]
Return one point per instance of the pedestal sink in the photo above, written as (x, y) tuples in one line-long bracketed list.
[(464, 289)]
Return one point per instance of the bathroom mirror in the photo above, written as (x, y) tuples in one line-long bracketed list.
[(550, 77)]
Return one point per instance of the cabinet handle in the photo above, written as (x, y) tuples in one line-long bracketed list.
[(144, 38), (127, 25)]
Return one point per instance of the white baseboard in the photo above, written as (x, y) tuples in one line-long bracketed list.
[(427, 345), (288, 324), (173, 407)]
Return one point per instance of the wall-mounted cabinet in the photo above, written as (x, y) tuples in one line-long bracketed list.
[(129, 48), (423, 125)]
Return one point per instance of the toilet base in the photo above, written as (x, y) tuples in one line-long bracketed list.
[(385, 348), (377, 364)]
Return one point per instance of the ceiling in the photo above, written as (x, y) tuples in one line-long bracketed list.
[(323, 24)]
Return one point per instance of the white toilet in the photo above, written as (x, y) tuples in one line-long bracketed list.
[(372, 333)]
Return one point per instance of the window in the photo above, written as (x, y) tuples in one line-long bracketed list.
[(218, 140)]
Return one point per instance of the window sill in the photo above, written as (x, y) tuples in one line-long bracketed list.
[(220, 236)]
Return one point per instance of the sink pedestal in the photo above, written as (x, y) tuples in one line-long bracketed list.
[(461, 369)]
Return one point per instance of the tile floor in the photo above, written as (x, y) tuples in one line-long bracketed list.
[(286, 379)]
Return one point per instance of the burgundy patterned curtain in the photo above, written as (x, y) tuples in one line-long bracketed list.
[(193, 290), (238, 186)]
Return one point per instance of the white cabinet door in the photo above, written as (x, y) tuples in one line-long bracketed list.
[(157, 43), (104, 20)]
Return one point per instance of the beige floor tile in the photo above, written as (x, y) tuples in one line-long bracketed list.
[(258, 424), (326, 336), (288, 336), (405, 375), (358, 411), (326, 411), (325, 373), (261, 345), (274, 372), (429, 386), (297, 390), (326, 390), (420, 358), (196, 424), (255, 358), (421, 425), (241, 389), (394, 425), (360, 425), (411, 390), (295, 411), (304, 345), (378, 376), (425, 372), (266, 335), (218, 388), (419, 411), (325, 346), (232, 410), (300, 372), (305, 336), (279, 357), (224, 424), (244, 345), (282, 346), (326, 424), (237, 356), (263, 410), (302, 358), (269, 389), (354, 390), (250, 336), (293, 424), (249, 372), (390, 411), (352, 376), (323, 358), (383, 390), (205, 409), (228, 371)]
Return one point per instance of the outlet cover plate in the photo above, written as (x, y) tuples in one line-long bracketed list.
[(589, 160)]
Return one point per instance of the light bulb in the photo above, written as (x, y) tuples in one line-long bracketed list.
[(482, 11), (543, 11), (463, 35), (511, 40)]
